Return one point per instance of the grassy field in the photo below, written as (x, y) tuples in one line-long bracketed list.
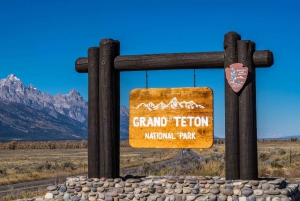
[(131, 157), (276, 159), (21, 165), (29, 162)]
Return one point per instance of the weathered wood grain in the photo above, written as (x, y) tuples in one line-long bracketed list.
[(231, 111), (109, 116), (81, 65), (201, 60), (116, 89), (247, 115), (93, 113), (169, 61), (263, 58), (171, 118)]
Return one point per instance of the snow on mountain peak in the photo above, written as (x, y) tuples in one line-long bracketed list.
[(74, 93), (31, 86), (12, 89), (12, 77), (13, 82), (71, 105)]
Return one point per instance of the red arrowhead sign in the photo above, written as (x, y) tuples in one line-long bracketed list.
[(236, 76)]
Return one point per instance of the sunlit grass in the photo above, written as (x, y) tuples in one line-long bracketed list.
[(23, 165), (23, 194)]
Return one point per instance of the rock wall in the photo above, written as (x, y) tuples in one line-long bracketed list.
[(172, 188)]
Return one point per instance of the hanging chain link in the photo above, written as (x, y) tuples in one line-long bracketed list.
[(194, 77), (146, 79)]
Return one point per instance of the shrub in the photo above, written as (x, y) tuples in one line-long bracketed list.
[(276, 164), (51, 145), (294, 139), (145, 167), (294, 173), (264, 171), (3, 171), (12, 145), (278, 173), (263, 156), (39, 168), (21, 169), (69, 165), (47, 166), (281, 151)]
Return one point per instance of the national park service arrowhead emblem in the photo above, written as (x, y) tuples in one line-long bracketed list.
[(236, 76)]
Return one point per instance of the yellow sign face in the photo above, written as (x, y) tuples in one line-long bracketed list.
[(171, 118)]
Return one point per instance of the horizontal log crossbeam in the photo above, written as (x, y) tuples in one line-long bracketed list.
[(213, 60)]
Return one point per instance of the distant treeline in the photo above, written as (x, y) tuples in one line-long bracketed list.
[(216, 141), (83, 144), (293, 139), (43, 145)]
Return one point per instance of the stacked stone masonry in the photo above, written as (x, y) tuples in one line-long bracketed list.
[(170, 188)]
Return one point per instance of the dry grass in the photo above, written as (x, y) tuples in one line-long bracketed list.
[(32, 164), (276, 159), (279, 158), (23, 194), (131, 157), (216, 149), (22, 165)]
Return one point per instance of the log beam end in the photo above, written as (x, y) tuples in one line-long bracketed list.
[(81, 65)]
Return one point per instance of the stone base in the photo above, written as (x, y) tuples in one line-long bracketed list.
[(172, 188)]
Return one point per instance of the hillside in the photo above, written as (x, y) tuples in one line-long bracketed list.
[(29, 114)]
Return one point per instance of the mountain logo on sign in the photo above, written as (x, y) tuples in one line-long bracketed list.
[(173, 104)]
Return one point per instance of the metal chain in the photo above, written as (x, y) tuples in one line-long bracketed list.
[(194, 77), (146, 79)]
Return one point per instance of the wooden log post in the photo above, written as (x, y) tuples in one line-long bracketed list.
[(231, 112), (117, 113), (109, 104), (247, 115), (93, 113)]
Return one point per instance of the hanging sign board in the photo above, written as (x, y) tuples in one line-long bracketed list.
[(171, 118)]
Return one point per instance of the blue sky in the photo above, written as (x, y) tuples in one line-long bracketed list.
[(40, 41)]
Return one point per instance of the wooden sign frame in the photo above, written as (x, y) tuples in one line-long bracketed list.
[(104, 65)]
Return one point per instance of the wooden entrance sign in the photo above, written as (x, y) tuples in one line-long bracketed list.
[(171, 118), (104, 64)]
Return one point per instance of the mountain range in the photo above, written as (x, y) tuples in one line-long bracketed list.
[(27, 114)]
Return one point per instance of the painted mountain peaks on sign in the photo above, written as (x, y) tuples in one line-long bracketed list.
[(173, 104)]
